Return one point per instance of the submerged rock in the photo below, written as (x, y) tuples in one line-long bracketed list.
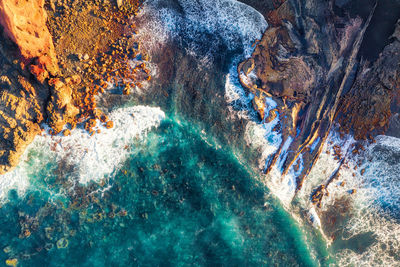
[(12, 262), (62, 243)]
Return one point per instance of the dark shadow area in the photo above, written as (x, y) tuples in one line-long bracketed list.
[(381, 27)]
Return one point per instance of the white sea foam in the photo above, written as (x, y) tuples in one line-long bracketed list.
[(216, 23), (93, 157), (14, 180), (374, 207), (376, 204), (257, 138), (191, 24)]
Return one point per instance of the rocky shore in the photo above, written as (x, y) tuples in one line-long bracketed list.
[(315, 61), (56, 57)]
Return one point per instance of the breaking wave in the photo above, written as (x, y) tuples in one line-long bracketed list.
[(195, 23), (91, 157), (367, 182)]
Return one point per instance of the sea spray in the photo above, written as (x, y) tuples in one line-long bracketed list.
[(180, 198), (92, 157), (180, 21), (196, 23), (359, 213), (209, 195)]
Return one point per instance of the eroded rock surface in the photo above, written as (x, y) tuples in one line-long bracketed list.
[(309, 62), (93, 46), (24, 22), (21, 110)]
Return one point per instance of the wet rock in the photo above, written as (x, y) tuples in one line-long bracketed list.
[(317, 79), (7, 249), (49, 246)]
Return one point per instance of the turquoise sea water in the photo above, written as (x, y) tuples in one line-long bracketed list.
[(180, 199), (189, 192)]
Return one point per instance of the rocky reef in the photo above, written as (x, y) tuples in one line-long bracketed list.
[(39, 37), (312, 62)]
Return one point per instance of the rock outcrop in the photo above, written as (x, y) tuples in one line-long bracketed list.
[(28, 63), (33, 90), (310, 62), (24, 22), (21, 111), (372, 105), (60, 108)]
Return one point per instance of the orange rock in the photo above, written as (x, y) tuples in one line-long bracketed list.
[(27, 233), (40, 73), (24, 22), (103, 118), (76, 79), (109, 124), (66, 132)]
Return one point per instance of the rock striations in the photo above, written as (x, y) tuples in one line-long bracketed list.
[(311, 63)]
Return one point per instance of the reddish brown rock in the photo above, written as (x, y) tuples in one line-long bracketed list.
[(27, 48), (109, 124), (24, 22), (60, 108), (20, 114)]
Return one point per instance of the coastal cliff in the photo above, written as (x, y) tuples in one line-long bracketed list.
[(23, 99)]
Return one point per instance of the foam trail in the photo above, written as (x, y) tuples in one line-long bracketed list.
[(369, 185), (374, 206), (99, 155), (195, 23), (93, 157)]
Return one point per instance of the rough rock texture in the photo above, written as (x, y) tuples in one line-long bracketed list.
[(382, 81), (33, 89), (24, 22), (60, 108), (28, 50), (308, 61), (21, 110)]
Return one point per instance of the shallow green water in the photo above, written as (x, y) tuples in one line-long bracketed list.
[(179, 200)]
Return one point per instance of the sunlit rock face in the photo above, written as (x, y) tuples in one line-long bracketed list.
[(24, 22)]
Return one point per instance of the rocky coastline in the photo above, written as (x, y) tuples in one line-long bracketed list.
[(317, 68), (56, 57), (54, 69)]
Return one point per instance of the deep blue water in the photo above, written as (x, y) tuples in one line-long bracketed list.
[(181, 199)]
